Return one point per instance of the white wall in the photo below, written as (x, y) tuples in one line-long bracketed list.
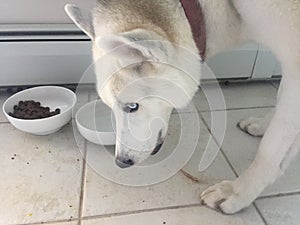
[(37, 11)]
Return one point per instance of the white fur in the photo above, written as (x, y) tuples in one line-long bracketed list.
[(256, 126), (275, 23)]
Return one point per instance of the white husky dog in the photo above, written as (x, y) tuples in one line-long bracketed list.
[(132, 25)]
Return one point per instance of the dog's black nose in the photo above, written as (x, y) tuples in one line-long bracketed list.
[(124, 163)]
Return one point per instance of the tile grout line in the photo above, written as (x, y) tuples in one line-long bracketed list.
[(82, 184), (221, 110), (233, 109), (221, 150), (278, 195), (201, 111), (83, 177), (260, 214), (109, 215), (50, 222)]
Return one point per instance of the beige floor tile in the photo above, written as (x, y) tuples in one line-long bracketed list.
[(41, 176), (281, 210), (187, 216), (236, 95)]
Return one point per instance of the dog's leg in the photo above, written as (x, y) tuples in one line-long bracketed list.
[(279, 144), (256, 126)]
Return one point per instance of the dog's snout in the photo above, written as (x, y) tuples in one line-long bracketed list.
[(124, 162)]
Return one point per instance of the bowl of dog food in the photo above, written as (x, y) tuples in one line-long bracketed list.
[(41, 110), (96, 123)]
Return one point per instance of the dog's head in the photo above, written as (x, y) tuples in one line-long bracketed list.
[(148, 83)]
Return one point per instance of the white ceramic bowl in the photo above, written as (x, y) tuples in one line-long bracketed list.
[(49, 96), (95, 122)]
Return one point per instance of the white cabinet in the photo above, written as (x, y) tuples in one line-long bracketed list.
[(39, 44), (266, 64), (45, 62), (50, 61), (277, 69), (236, 63)]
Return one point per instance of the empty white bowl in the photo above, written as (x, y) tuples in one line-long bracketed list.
[(95, 122), (49, 96)]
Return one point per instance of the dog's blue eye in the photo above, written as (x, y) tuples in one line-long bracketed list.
[(131, 107)]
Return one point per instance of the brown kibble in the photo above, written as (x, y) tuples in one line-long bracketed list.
[(57, 111), (30, 110)]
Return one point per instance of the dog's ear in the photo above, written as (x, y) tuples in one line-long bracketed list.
[(133, 46), (85, 24)]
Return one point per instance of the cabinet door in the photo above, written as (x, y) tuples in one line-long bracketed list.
[(277, 69), (46, 62), (266, 64), (236, 63)]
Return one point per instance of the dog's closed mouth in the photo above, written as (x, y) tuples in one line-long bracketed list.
[(157, 148), (160, 143)]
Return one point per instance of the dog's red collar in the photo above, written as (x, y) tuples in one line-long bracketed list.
[(195, 16)]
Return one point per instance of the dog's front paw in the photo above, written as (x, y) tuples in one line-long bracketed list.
[(252, 126), (224, 198)]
